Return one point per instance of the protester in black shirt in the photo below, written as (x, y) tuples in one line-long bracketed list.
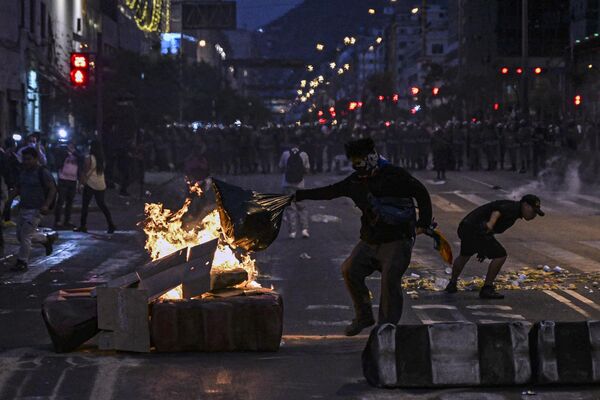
[(384, 193), (476, 232)]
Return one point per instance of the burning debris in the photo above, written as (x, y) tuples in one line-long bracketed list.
[(194, 268)]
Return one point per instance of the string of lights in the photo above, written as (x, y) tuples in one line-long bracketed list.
[(150, 15)]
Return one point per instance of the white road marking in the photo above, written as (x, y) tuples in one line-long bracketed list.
[(328, 323), (426, 319), (112, 266), (568, 303), (485, 184), (583, 299), (43, 264), (591, 243), (575, 206), (498, 314), (565, 257), (591, 199), (489, 306), (472, 198), (327, 307), (444, 204)]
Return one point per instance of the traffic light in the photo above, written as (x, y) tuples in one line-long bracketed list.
[(80, 69), (519, 70), (353, 106), (415, 90), (435, 91), (395, 98), (504, 70), (537, 70), (577, 100), (496, 106), (381, 98)]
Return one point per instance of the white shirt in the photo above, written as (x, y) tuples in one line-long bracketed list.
[(283, 164)]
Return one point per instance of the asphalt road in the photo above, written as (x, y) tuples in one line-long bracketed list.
[(315, 360)]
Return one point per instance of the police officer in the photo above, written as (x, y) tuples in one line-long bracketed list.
[(525, 146), (386, 238), (512, 144), (475, 142)]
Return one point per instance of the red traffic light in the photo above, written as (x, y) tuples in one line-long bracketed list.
[(80, 66), (395, 98), (435, 91), (320, 113), (496, 106), (353, 106), (504, 70), (415, 90), (519, 70), (537, 70), (577, 100), (381, 98)]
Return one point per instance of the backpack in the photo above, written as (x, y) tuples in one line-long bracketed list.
[(294, 169), (46, 188)]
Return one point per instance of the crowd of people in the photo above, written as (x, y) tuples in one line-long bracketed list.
[(511, 144)]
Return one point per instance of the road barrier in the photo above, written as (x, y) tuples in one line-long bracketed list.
[(566, 352), (448, 354), (241, 323)]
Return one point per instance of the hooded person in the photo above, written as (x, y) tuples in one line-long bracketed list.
[(384, 193)]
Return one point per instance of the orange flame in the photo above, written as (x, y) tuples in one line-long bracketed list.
[(165, 234)]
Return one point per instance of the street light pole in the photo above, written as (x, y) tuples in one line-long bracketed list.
[(525, 58)]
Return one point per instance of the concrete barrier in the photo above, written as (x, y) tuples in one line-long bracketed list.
[(242, 323), (566, 352), (448, 354)]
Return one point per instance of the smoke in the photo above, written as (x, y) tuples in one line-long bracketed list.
[(561, 178)]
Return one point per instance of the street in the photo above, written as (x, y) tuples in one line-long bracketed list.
[(315, 360)]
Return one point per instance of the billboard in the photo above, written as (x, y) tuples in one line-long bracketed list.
[(209, 15)]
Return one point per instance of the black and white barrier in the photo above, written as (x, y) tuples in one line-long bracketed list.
[(448, 354), (566, 352)]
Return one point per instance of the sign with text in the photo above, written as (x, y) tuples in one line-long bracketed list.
[(210, 15)]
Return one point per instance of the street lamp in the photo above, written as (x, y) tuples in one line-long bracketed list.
[(202, 43)]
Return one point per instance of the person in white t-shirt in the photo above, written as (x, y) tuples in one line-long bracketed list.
[(92, 177), (68, 162)]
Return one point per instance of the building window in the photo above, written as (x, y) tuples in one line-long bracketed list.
[(32, 16), (437, 48)]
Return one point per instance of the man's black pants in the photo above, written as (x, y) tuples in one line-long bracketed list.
[(392, 260)]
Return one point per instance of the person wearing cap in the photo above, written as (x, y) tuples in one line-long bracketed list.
[(384, 193), (476, 232)]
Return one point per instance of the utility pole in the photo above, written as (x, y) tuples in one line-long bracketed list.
[(525, 58)]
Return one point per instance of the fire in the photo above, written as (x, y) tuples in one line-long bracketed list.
[(165, 234)]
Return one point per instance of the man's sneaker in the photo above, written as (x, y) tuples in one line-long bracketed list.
[(358, 325), (451, 287), (305, 234), (20, 266), (292, 235), (50, 239), (9, 224), (489, 292)]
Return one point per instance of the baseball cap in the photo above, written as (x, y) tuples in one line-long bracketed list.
[(534, 202)]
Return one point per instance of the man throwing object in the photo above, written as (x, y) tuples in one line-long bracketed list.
[(384, 193), (476, 232)]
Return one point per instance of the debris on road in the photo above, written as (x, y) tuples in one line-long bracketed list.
[(305, 256)]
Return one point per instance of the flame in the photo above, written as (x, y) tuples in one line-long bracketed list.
[(165, 234)]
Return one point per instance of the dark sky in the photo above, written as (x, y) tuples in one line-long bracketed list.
[(252, 14)]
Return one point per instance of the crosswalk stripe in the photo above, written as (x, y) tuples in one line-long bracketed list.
[(565, 257), (591, 199), (111, 266), (43, 264), (568, 303), (591, 243), (472, 198), (444, 204), (498, 314), (583, 299), (419, 310)]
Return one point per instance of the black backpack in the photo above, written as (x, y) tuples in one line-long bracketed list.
[(294, 169), (46, 188)]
